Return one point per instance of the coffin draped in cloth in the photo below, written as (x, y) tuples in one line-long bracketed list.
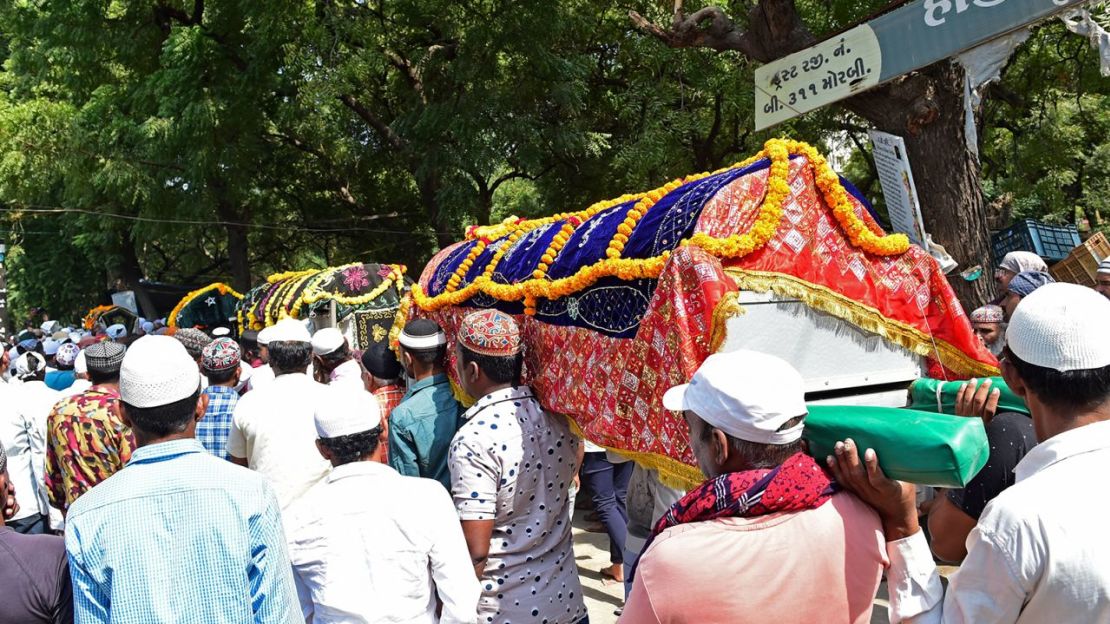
[(626, 298)]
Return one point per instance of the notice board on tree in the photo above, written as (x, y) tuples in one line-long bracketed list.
[(909, 38), (896, 179)]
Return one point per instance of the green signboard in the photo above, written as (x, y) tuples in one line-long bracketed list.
[(909, 38)]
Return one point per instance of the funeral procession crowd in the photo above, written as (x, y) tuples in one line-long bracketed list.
[(164, 474)]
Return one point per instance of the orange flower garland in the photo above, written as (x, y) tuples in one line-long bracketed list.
[(863, 235)]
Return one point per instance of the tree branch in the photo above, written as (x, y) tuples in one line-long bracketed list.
[(387, 134)]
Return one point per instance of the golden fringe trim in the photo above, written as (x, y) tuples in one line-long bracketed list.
[(461, 396), (672, 472), (728, 307), (862, 316)]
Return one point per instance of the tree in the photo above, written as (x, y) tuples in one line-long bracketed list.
[(925, 107)]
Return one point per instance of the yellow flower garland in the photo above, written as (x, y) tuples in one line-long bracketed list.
[(94, 314), (171, 320), (778, 151)]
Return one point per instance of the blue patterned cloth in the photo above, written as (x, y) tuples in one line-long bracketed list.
[(611, 306), (212, 430), (179, 536)]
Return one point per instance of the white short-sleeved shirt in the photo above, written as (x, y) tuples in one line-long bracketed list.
[(370, 545), (512, 462), (274, 428)]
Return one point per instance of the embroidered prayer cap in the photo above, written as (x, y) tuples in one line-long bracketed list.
[(1026, 282), (342, 410), (222, 354), (288, 330), (29, 364), (422, 334), (380, 360), (50, 346), (987, 314), (81, 364), (67, 354), (104, 357), (157, 370), (327, 340), (1022, 261), (194, 340), (116, 331), (747, 394), (1104, 266), (1062, 327), (490, 332)]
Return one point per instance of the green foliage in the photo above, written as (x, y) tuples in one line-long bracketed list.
[(149, 135)]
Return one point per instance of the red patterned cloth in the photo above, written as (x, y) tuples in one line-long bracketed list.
[(613, 387)]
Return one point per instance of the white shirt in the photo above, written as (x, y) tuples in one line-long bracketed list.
[(348, 373), (370, 545), (513, 463), (23, 432), (261, 376), (1040, 553), (274, 428), (78, 386)]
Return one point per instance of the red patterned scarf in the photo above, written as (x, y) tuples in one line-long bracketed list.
[(799, 483)]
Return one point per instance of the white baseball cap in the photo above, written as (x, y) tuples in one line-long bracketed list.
[(288, 330), (343, 410), (1061, 326), (327, 340), (746, 394), (157, 370)]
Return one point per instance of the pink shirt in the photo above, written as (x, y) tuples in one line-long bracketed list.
[(822, 565)]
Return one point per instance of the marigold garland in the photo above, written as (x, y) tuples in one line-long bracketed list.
[(94, 315), (862, 234), (223, 289)]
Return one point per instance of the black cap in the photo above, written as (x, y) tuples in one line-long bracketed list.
[(380, 360)]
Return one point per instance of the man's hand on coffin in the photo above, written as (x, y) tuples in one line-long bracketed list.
[(978, 402), (894, 501)]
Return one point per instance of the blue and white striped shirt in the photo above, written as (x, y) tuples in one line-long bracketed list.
[(178, 535)]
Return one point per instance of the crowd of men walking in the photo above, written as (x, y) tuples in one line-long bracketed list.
[(180, 476)]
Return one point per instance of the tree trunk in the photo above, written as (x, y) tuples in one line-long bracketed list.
[(131, 274), (238, 245), (928, 112), (428, 185), (238, 255)]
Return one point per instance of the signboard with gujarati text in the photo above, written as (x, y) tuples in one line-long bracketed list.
[(906, 39)]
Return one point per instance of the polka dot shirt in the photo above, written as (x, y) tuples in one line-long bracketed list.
[(512, 462)]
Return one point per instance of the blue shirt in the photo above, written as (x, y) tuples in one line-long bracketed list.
[(178, 535), (212, 430), (421, 429), (60, 379)]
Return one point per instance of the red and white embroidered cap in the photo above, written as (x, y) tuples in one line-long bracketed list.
[(343, 410), (747, 394)]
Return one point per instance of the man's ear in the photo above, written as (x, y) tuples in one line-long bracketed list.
[(121, 411), (1012, 379), (323, 450), (720, 446), (202, 406)]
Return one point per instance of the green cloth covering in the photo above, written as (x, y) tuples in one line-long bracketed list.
[(924, 396), (421, 428), (923, 448)]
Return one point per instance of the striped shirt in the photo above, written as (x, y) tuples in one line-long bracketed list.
[(213, 429), (179, 536)]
